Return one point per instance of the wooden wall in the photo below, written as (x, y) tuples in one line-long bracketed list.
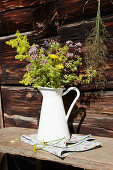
[(36, 18)]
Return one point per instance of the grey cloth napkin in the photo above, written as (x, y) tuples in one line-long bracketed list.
[(63, 147)]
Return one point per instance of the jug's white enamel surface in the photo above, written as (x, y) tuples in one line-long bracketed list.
[(53, 119)]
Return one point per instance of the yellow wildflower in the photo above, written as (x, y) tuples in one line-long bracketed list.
[(60, 66), (53, 56), (12, 141), (16, 139), (34, 148), (43, 143)]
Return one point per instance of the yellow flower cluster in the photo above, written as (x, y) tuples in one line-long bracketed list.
[(60, 66), (34, 147), (53, 56)]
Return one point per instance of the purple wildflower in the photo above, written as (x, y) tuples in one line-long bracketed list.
[(37, 78), (70, 54), (69, 42), (79, 50), (78, 44), (44, 61), (33, 57), (43, 49), (65, 70), (33, 48), (52, 41), (43, 55), (46, 42), (36, 45), (31, 79), (70, 45), (77, 56), (28, 66)]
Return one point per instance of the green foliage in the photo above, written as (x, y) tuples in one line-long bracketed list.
[(51, 65), (21, 44)]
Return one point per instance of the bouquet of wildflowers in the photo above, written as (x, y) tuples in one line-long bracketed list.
[(51, 64)]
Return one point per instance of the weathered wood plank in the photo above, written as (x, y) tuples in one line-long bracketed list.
[(23, 19), (44, 18), (21, 106), (78, 31), (94, 159), (75, 10), (16, 20), (39, 15), (1, 113), (68, 12), (92, 113), (87, 129), (12, 70), (97, 112), (9, 5), (1, 126)]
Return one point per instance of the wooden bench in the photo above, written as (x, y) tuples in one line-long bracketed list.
[(100, 158)]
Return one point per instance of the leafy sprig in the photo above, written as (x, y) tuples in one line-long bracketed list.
[(51, 65)]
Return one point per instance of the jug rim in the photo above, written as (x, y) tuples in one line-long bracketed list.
[(50, 88)]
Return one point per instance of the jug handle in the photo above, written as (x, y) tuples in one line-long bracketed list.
[(74, 101)]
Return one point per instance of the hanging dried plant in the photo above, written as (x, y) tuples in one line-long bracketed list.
[(96, 50)]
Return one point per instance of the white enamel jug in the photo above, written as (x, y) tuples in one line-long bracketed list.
[(53, 119)]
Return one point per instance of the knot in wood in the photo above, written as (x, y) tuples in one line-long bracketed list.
[(29, 95)]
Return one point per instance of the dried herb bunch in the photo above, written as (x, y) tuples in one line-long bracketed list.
[(96, 50)]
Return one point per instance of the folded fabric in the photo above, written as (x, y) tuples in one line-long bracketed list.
[(63, 147)]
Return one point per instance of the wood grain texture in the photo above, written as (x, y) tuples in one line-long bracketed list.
[(16, 20), (75, 10), (98, 113), (22, 106), (9, 5), (80, 9), (95, 159), (12, 70), (1, 113), (20, 15), (92, 113), (37, 14), (69, 12), (78, 31)]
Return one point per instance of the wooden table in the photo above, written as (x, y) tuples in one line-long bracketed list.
[(97, 159)]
